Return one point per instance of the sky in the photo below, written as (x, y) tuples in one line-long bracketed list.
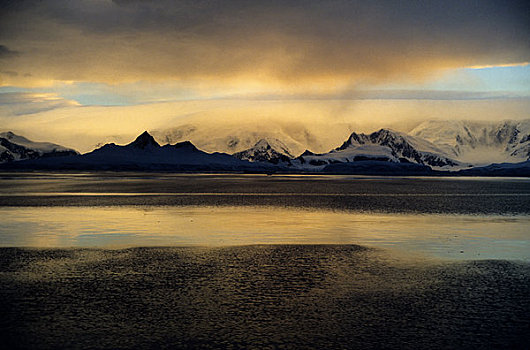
[(80, 71)]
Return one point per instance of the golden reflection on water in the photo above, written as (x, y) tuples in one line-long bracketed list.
[(451, 236)]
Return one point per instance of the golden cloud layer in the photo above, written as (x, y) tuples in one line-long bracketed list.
[(329, 121)]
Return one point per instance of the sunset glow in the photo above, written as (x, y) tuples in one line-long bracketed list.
[(292, 59)]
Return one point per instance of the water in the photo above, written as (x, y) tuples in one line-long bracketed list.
[(436, 235), (350, 193), (456, 218), (106, 260), (265, 296)]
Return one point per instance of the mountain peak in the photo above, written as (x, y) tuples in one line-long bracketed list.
[(353, 139), (385, 133), (272, 151), (144, 140), (185, 144), (8, 135), (262, 143), (273, 144)]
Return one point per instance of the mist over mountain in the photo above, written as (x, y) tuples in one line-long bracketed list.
[(236, 136), (471, 142), (267, 150), (431, 145), (479, 142)]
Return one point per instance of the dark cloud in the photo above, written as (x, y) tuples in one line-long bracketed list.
[(282, 41), (5, 52)]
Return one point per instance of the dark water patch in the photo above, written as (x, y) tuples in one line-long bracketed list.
[(290, 296), (450, 204), (406, 195), (204, 183)]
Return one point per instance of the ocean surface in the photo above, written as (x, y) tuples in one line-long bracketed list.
[(136, 260)]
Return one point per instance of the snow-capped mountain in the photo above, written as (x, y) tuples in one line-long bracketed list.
[(433, 148), (479, 142), (144, 153), (383, 145), (15, 147), (233, 140), (273, 151)]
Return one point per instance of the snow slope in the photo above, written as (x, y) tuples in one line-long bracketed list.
[(15, 147), (479, 142), (382, 145), (237, 136), (267, 150)]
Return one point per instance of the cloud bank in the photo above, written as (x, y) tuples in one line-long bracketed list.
[(328, 121), (286, 44)]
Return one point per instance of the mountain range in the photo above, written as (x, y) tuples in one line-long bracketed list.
[(383, 145), (144, 153), (460, 148), (441, 145)]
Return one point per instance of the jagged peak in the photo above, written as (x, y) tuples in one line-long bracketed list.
[(386, 135), (353, 138), (361, 138), (385, 131), (144, 140)]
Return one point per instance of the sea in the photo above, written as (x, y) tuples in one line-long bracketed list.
[(237, 261)]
